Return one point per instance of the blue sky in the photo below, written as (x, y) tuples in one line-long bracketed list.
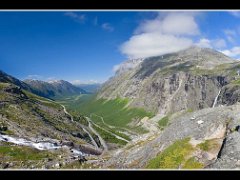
[(81, 46)]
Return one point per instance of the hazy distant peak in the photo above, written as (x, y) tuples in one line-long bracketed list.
[(54, 88), (55, 81), (33, 81), (127, 65)]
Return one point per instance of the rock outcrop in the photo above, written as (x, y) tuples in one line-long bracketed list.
[(216, 122)]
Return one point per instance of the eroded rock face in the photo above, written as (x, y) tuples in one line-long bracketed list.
[(229, 156), (171, 83), (230, 95), (180, 91), (169, 94)]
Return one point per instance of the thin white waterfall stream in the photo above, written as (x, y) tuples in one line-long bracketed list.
[(215, 100), (37, 145)]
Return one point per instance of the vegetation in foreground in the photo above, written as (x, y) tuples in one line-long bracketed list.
[(175, 157), (22, 156), (208, 145), (163, 122)]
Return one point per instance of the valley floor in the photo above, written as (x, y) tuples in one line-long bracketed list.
[(207, 138)]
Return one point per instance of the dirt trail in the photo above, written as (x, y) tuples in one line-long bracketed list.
[(105, 147)]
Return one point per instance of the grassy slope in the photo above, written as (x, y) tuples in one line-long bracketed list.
[(114, 111), (23, 157), (108, 137), (163, 122), (21, 153), (175, 156), (59, 126), (37, 116)]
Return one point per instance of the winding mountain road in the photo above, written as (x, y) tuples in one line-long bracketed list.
[(103, 121), (105, 147), (66, 112), (93, 141), (116, 136), (102, 141), (64, 109), (124, 130)]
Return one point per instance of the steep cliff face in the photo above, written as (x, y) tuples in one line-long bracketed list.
[(188, 80), (230, 94), (180, 91)]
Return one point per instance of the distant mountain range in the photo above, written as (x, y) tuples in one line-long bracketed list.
[(90, 88), (51, 89), (54, 89)]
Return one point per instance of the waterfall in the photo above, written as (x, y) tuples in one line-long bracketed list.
[(215, 100), (37, 145)]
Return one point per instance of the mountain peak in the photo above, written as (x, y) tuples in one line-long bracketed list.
[(196, 49), (127, 65), (205, 58), (56, 81)]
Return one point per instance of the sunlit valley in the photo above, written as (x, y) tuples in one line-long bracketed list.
[(173, 104)]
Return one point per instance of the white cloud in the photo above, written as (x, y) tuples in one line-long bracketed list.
[(172, 23), (52, 79), (34, 77), (77, 17), (234, 52), (91, 81), (205, 43), (230, 39), (107, 27), (76, 82), (235, 13), (219, 43), (153, 44), (180, 24), (230, 35), (230, 32), (116, 67), (161, 35), (127, 65), (216, 43)]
